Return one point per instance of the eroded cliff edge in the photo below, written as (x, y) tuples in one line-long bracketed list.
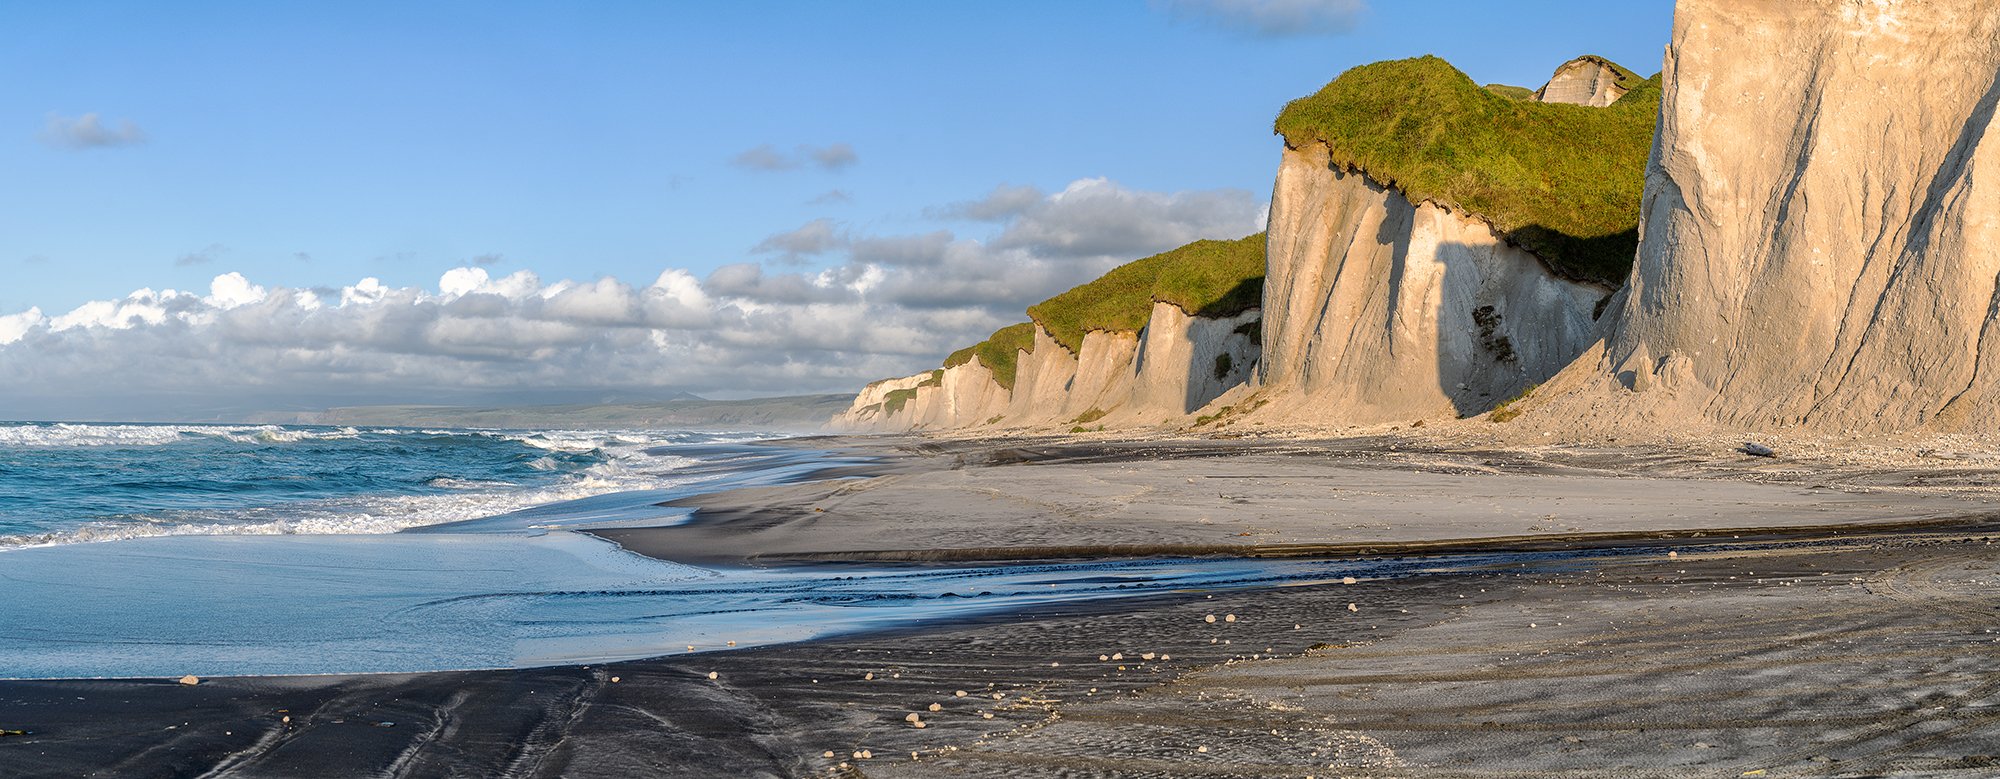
[(1434, 248), (1378, 309), (1821, 222), (1151, 342)]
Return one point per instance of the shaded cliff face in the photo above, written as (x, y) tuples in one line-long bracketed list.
[(1379, 310), (1164, 373), (1821, 223)]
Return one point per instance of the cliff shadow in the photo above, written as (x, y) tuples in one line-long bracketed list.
[(1508, 320), (1211, 376), (1600, 259)]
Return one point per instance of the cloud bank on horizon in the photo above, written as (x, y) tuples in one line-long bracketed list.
[(889, 304)]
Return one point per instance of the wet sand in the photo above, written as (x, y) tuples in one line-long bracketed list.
[(1869, 654), (971, 500)]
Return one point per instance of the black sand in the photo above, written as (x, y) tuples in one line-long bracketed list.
[(1868, 655)]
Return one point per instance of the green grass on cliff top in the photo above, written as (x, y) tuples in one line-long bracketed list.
[(999, 352), (1205, 278), (1562, 181)]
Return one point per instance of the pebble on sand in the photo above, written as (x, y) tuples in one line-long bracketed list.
[(937, 707), (713, 675), (1347, 580), (1352, 607), (828, 753), (1203, 750), (986, 714), (614, 680), (959, 694), (913, 717), (190, 680), (868, 677), (1210, 618)]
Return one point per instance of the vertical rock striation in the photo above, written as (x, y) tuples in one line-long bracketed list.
[(1821, 224), (1378, 309), (1165, 372)]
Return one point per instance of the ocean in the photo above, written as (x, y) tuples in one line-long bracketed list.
[(74, 483), (223, 550)]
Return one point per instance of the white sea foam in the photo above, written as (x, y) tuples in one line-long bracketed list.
[(366, 515), (66, 434), (627, 466), (73, 435)]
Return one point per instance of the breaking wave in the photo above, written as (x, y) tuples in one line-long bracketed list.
[(80, 483)]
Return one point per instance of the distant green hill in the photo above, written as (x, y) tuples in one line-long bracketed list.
[(1206, 278), (1562, 181), (999, 352)]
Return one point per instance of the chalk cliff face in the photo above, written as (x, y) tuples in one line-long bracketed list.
[(1377, 309), (1821, 226), (960, 396), (1587, 81), (1165, 372)]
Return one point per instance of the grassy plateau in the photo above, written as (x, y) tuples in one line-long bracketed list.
[(1562, 181), (1205, 278)]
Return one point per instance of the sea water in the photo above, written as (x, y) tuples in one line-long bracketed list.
[(69, 483), (163, 550)]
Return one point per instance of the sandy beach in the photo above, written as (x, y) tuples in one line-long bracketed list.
[(1822, 628), (970, 499)]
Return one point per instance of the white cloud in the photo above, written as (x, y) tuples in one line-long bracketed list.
[(764, 157), (89, 131), (1271, 18), (1004, 202), (767, 158), (14, 326), (818, 236), (231, 290), (203, 256), (1094, 217), (885, 305), (832, 197), (835, 157)]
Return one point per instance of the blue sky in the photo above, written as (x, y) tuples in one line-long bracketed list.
[(307, 146)]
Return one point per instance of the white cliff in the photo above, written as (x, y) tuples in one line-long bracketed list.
[(1377, 309), (1586, 80), (1820, 240), (1161, 374)]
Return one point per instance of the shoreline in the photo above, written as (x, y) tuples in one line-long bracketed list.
[(1007, 500), (1299, 655)]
